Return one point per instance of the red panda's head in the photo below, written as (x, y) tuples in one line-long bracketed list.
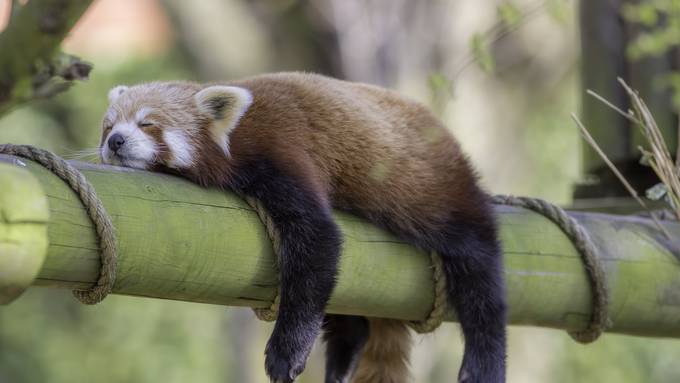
[(162, 124)]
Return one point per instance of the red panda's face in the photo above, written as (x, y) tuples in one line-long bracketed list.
[(161, 124)]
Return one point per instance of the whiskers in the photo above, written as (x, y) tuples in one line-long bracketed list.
[(87, 154), (127, 154), (158, 149)]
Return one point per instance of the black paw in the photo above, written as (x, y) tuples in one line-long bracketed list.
[(284, 364)]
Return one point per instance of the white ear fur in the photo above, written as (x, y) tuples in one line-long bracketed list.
[(116, 92), (225, 105)]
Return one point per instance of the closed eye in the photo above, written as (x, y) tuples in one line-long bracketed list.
[(145, 124)]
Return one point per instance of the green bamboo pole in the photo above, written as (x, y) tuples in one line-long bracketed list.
[(24, 217), (179, 241)]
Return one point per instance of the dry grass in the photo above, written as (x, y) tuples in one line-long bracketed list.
[(657, 155)]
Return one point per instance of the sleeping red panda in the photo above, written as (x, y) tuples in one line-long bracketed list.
[(303, 144)]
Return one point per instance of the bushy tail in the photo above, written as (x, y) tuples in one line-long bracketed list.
[(385, 358)]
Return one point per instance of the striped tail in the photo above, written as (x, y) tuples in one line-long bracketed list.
[(385, 358)]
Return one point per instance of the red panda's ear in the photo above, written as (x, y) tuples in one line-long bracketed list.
[(225, 105), (116, 92)]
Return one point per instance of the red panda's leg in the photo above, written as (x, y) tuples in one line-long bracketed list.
[(345, 337), (472, 261), (309, 251)]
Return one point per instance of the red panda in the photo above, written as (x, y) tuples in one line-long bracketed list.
[(303, 144)]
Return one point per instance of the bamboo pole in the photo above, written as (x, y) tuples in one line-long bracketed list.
[(179, 241), (24, 217)]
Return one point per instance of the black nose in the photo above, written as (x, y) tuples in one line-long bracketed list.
[(116, 141)]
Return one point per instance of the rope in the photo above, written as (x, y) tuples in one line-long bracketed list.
[(268, 314), (429, 324), (599, 319), (95, 210), (436, 315)]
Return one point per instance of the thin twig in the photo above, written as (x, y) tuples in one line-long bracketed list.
[(499, 31), (614, 107), (659, 158), (591, 141)]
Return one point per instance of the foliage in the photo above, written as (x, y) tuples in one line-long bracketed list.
[(616, 358), (509, 13), (659, 21), (481, 52), (58, 340), (510, 16), (657, 34)]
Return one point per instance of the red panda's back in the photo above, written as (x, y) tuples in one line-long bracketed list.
[(372, 149)]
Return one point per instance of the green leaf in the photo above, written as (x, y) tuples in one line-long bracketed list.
[(656, 192), (645, 13), (557, 10), (482, 54), (509, 13), (440, 83), (646, 159)]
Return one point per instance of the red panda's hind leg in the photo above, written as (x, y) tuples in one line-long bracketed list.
[(345, 337), (472, 262)]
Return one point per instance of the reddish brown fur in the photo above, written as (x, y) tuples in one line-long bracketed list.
[(358, 147), (368, 149), (385, 357), (364, 147)]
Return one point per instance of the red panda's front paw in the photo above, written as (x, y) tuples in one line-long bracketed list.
[(283, 364)]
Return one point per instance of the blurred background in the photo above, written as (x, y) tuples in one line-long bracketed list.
[(503, 75)]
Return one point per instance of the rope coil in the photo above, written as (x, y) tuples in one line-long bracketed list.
[(270, 313), (95, 210), (599, 320), (578, 236), (439, 306), (429, 324)]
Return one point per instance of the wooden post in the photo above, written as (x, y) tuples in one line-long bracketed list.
[(179, 241), (603, 44), (605, 36)]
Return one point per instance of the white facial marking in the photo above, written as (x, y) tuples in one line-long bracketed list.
[(138, 151), (141, 114), (180, 147), (111, 115)]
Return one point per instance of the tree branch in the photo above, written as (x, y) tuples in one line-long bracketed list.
[(31, 64)]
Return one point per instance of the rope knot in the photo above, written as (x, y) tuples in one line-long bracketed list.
[(599, 319), (95, 210)]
